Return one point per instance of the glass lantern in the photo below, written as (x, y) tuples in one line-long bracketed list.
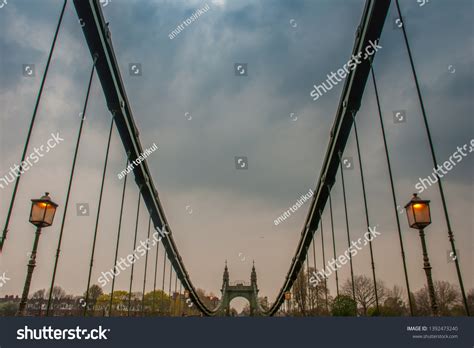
[(42, 211), (418, 212)]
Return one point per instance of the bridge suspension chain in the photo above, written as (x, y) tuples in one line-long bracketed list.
[(175, 293), (366, 210), (333, 237), (30, 129), (163, 283), (154, 278), (347, 224), (315, 269), (435, 162), (91, 262), (179, 298), (308, 289), (392, 188), (169, 289), (71, 177), (134, 247), (324, 260), (119, 229), (146, 265), (98, 41)]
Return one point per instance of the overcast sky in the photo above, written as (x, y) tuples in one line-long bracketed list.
[(189, 102)]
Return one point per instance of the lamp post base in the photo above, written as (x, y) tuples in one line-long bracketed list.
[(29, 275), (429, 279)]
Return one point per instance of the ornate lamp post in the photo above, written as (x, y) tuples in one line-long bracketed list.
[(418, 214), (41, 215)]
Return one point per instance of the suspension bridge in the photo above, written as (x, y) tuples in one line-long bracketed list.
[(105, 65)]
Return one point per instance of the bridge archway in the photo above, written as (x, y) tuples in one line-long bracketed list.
[(240, 306), (239, 289)]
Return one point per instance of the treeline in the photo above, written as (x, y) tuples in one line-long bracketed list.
[(153, 303), (360, 299)]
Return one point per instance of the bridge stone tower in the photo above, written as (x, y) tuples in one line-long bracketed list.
[(239, 289)]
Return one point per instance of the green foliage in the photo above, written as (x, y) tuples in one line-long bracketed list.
[(94, 292), (157, 302), (373, 312), (8, 309), (343, 306), (392, 307), (103, 302)]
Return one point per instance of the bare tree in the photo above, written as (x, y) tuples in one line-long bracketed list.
[(423, 303), (95, 291), (317, 296), (300, 293), (470, 300), (364, 292), (39, 294), (447, 296), (264, 303), (394, 304), (246, 310), (38, 299), (58, 294)]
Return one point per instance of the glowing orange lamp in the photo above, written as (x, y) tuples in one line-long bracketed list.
[(41, 215), (418, 212)]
